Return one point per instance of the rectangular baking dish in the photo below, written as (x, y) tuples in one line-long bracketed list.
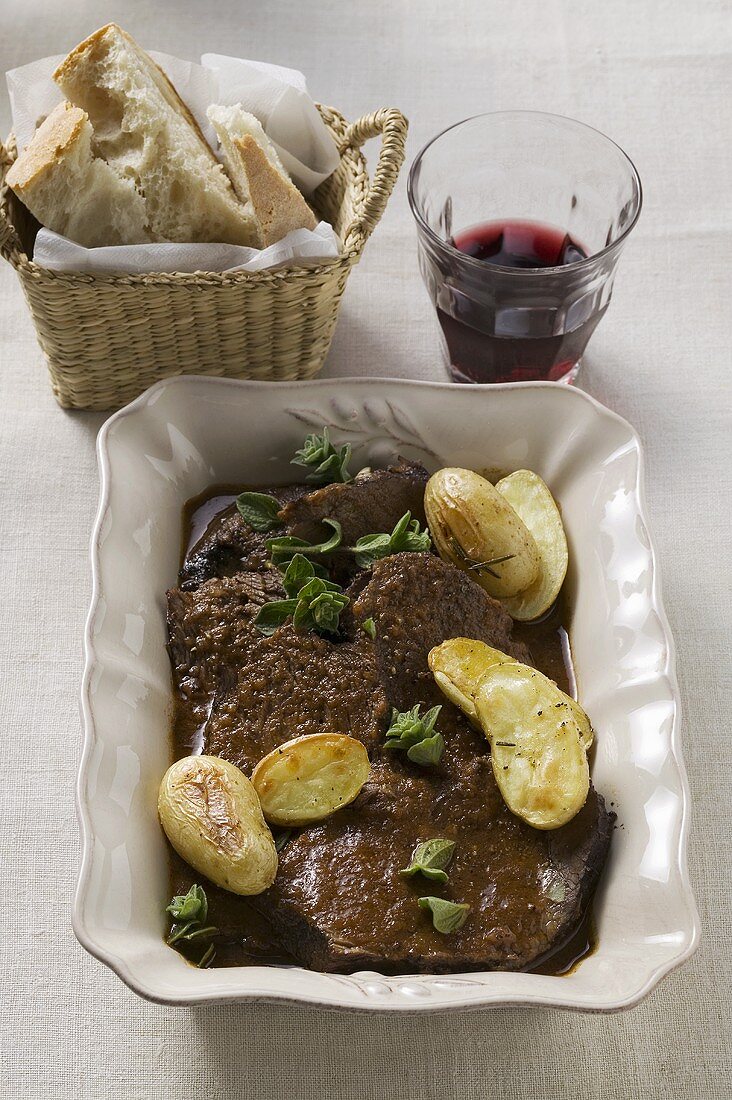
[(185, 434)]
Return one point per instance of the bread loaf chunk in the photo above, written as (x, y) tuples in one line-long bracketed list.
[(258, 175), (71, 191), (145, 132)]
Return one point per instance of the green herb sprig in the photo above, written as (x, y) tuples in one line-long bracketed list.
[(415, 734), (282, 550), (447, 916), (406, 536), (259, 510), (189, 912), (327, 463), (430, 858), (190, 906), (313, 602)]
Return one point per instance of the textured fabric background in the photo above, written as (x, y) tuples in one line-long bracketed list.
[(657, 77)]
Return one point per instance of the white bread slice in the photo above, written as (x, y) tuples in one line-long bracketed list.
[(146, 133), (72, 192), (259, 177)]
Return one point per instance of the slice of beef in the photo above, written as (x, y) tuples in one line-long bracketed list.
[(229, 545), (240, 694), (418, 601), (340, 903), (373, 502)]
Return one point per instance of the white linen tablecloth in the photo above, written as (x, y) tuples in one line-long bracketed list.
[(655, 76)]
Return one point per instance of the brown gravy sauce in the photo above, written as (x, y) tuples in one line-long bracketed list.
[(548, 640)]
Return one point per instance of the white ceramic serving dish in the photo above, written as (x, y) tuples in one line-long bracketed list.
[(188, 433)]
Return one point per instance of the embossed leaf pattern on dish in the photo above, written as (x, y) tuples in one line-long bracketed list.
[(379, 424)]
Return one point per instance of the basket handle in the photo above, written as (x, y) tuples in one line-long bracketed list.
[(10, 247), (393, 126)]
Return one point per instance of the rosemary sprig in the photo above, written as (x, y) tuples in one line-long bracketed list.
[(479, 566), (282, 839)]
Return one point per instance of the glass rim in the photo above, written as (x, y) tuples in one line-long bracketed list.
[(534, 272)]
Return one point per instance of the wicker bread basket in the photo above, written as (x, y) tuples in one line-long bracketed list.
[(108, 337)]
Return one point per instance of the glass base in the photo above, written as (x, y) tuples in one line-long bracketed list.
[(527, 375)]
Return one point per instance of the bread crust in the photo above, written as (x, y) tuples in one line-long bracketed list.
[(278, 205), (72, 192), (54, 137), (145, 132), (99, 39)]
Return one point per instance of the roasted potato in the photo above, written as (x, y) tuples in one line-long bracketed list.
[(211, 815), (458, 666), (531, 500), (475, 528), (309, 778), (537, 750)]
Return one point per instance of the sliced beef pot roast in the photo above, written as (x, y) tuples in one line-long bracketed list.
[(339, 902)]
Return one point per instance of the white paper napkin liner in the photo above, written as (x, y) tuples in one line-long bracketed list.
[(302, 246), (279, 99)]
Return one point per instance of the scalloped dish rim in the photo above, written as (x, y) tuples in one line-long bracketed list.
[(369, 991)]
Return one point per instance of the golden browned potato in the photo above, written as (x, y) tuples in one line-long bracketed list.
[(531, 500), (211, 815), (458, 666), (537, 750), (475, 528), (309, 778)]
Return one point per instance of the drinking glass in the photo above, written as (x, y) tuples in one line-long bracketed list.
[(522, 171)]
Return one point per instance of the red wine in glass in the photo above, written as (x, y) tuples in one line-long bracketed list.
[(516, 340)]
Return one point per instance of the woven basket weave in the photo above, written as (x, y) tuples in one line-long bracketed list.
[(108, 337)]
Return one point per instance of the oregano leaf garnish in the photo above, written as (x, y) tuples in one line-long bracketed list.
[(190, 906), (259, 510), (273, 614), (327, 463), (283, 549), (447, 916), (189, 912), (297, 574), (314, 602), (406, 536), (369, 627), (427, 752), (415, 735), (430, 858)]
